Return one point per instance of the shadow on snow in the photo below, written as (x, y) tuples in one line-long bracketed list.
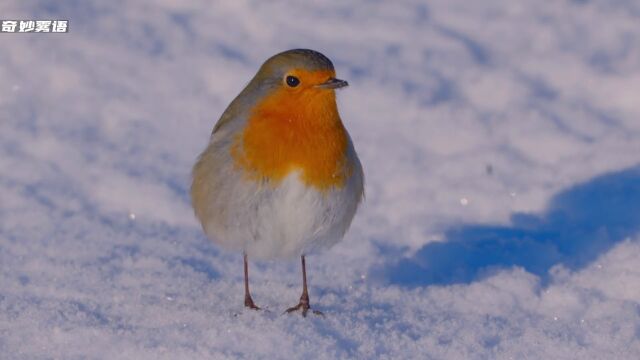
[(580, 223)]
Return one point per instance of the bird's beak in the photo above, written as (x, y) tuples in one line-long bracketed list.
[(333, 83)]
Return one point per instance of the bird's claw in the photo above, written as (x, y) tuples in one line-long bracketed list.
[(248, 302), (305, 309)]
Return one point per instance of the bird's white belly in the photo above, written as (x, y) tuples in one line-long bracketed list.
[(287, 220)]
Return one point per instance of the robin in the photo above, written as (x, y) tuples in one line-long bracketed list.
[(280, 176)]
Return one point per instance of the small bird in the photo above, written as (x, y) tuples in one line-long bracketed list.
[(280, 177)]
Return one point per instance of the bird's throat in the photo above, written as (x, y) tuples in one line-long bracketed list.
[(294, 132)]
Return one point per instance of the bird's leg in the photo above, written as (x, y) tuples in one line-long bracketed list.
[(248, 301), (304, 298)]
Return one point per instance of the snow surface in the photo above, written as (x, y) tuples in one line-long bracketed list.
[(501, 145)]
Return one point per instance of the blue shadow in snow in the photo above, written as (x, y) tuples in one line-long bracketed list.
[(581, 223)]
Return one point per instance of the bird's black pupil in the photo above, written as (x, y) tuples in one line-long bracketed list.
[(292, 81)]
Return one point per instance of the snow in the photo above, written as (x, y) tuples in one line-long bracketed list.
[(501, 146)]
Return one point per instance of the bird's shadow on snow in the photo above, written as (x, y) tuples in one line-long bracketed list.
[(579, 224)]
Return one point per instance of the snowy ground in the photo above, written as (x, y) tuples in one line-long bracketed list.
[(501, 145)]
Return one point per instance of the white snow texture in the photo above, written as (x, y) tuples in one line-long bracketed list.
[(501, 147)]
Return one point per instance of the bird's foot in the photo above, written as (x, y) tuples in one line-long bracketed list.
[(304, 306), (248, 302)]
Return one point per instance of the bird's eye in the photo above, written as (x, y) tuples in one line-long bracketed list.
[(292, 81)]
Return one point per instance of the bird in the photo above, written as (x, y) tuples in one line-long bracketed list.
[(280, 177)]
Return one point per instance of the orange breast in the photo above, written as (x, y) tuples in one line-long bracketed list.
[(295, 131)]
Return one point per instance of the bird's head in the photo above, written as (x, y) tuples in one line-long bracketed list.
[(299, 71), (296, 84)]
